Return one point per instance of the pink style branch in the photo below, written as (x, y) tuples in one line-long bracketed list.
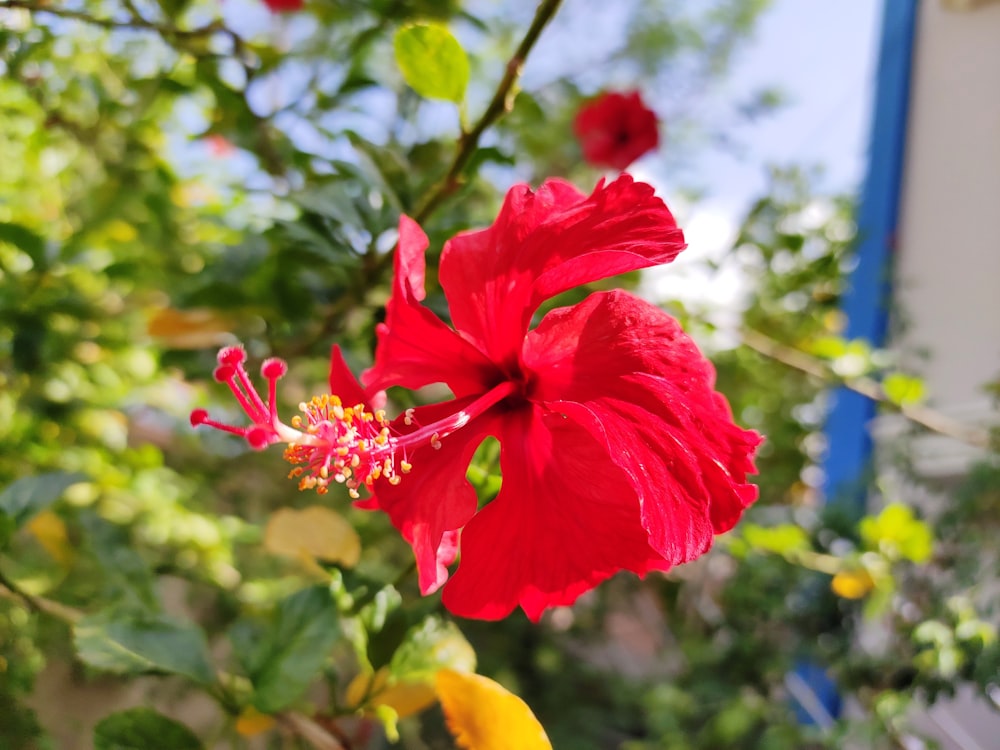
[(617, 453)]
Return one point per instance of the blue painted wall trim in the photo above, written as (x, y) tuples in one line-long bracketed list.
[(866, 302), (866, 307)]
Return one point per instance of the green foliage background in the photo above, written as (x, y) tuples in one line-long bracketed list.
[(169, 185)]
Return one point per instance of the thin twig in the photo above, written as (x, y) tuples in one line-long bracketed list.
[(10, 590), (468, 142), (297, 723), (502, 101), (136, 22), (309, 731), (931, 419)]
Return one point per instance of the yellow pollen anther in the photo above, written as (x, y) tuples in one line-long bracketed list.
[(349, 445), (408, 417)]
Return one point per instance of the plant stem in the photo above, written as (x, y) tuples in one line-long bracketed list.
[(10, 590), (297, 723), (926, 417), (309, 731), (136, 22), (502, 102)]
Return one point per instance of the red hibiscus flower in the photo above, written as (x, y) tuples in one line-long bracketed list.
[(616, 129), (616, 451), (284, 6)]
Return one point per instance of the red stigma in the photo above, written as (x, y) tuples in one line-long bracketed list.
[(264, 422), (258, 437), (232, 355), (273, 368)]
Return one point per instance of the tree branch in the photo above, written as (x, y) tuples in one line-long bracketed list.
[(297, 723), (136, 22), (502, 102), (926, 417), (310, 731), (10, 590)]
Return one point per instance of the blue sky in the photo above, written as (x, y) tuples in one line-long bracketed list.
[(819, 54), (822, 55)]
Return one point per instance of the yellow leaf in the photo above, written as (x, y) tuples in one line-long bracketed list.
[(852, 584), (363, 685), (50, 531), (484, 716), (315, 531), (189, 329), (252, 722), (405, 698), (121, 231)]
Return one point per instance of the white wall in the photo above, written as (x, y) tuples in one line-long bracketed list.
[(948, 249), (948, 261)]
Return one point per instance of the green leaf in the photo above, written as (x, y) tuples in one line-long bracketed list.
[(143, 644), (896, 533), (125, 577), (780, 539), (432, 61), (7, 529), (435, 644), (284, 657), (143, 729), (23, 238), (903, 389), (26, 497), (828, 347)]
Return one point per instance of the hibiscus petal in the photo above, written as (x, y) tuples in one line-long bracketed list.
[(628, 365), (565, 519), (544, 243), (342, 380), (434, 499), (415, 347)]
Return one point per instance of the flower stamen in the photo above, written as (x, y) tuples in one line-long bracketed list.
[(330, 441)]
